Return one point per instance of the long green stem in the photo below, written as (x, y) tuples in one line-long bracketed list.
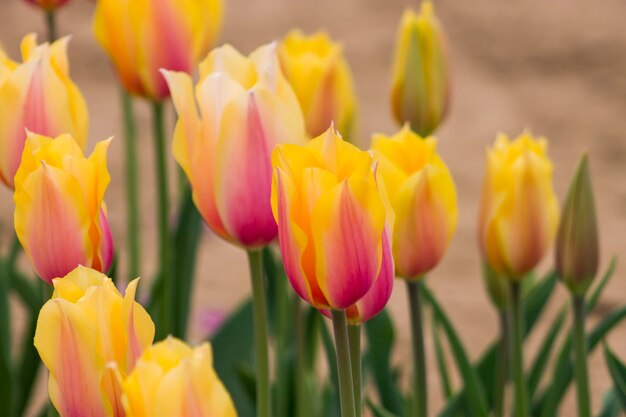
[(354, 337), (132, 188), (263, 406), (51, 25), (168, 305), (502, 366), (580, 348), (517, 350), (420, 390), (344, 367), (300, 381)]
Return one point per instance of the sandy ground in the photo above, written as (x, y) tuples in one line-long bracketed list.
[(554, 67)]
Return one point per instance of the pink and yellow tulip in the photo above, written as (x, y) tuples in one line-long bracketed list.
[(143, 36), (172, 379), (519, 211), (87, 336), (421, 86), (422, 195), (332, 223), (37, 95), (321, 78), (48, 4), (60, 216), (246, 108)]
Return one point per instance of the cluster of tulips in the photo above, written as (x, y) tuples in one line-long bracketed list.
[(264, 142)]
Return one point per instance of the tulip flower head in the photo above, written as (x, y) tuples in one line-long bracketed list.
[(246, 109), (60, 216), (48, 5), (321, 78), (331, 222), (172, 379), (577, 247), (422, 195), (87, 335), (143, 36), (519, 211), (37, 95), (421, 86)]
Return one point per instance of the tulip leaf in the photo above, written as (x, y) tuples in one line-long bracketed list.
[(27, 368), (548, 403), (597, 291), (474, 390), (543, 356), (442, 365), (380, 336), (379, 411), (186, 239), (26, 290), (233, 349), (617, 369), (6, 380), (611, 405)]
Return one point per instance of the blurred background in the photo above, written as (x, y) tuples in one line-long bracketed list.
[(557, 68)]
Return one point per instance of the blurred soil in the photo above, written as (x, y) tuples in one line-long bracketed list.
[(555, 67)]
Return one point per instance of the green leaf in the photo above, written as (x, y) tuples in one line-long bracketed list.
[(618, 373), (379, 332), (26, 289), (597, 292), (543, 355), (186, 239), (331, 358), (6, 379), (442, 365), (475, 391), (379, 411), (611, 405), (563, 372), (233, 349), (27, 368)]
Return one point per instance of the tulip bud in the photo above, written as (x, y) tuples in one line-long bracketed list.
[(519, 211), (37, 95), (320, 76), (331, 221), (47, 5), (143, 36), (422, 195), (577, 248), (421, 87), (246, 108), (60, 216), (82, 331), (172, 379)]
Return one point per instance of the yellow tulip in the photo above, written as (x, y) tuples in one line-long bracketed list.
[(423, 197), (421, 86), (143, 36), (172, 379), (331, 223), (321, 78), (60, 216), (87, 335), (37, 95), (246, 108), (519, 211)]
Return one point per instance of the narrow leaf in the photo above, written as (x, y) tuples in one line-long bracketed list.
[(617, 369)]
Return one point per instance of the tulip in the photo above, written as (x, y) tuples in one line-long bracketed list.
[(60, 216), (246, 108), (48, 5), (421, 87), (37, 95), (87, 336), (172, 379), (321, 78), (577, 248), (423, 197), (331, 220), (143, 36), (519, 211)]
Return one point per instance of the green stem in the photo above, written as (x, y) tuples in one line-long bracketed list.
[(168, 306), (420, 391), (517, 350), (132, 188), (300, 357), (580, 348), (51, 25), (502, 366), (354, 337), (14, 251), (263, 407), (344, 367)]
